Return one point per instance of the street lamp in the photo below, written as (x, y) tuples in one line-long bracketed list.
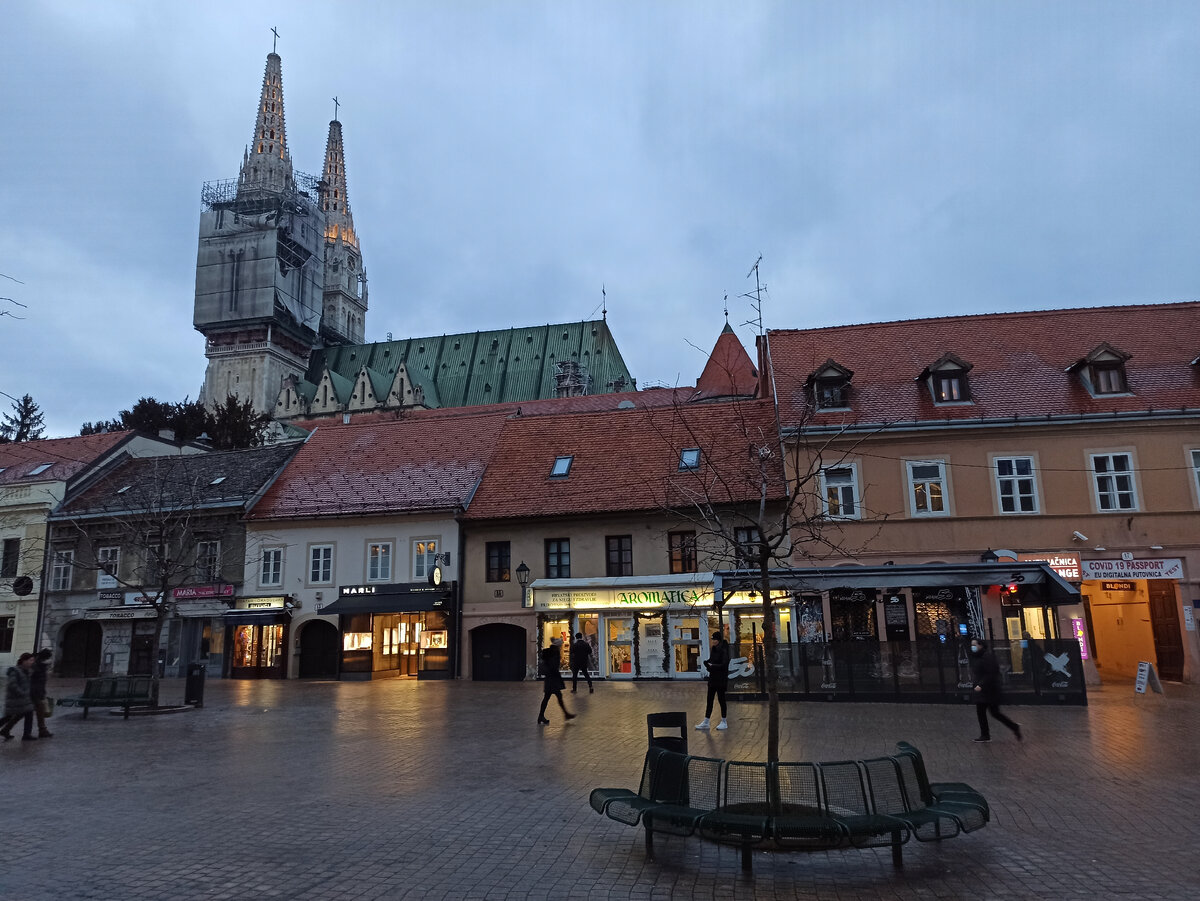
[(989, 556), (523, 579)]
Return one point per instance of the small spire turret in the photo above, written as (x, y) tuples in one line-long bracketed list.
[(267, 164), (339, 222)]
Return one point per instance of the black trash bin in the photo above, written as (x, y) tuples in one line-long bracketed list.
[(672, 721), (193, 685)]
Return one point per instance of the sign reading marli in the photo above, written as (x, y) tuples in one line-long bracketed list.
[(1066, 565), (1169, 568)]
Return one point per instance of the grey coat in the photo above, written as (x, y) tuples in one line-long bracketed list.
[(16, 695)]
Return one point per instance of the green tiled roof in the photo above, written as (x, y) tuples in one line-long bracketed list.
[(485, 367)]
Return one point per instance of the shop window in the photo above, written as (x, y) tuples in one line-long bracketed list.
[(272, 568), (109, 561), (60, 573), (618, 555), (682, 546), (927, 487), (208, 561), (839, 491), (425, 554), (9, 557), (1016, 485), (379, 561), (558, 558), (746, 540), (1112, 479), (320, 564), (498, 558)]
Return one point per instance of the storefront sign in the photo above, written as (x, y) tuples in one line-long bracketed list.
[(110, 597), (1169, 568), (1189, 618), (856, 595), (1080, 636), (1146, 674), (358, 589), (606, 599), (895, 617), (1066, 565), (121, 613), (1118, 586), (261, 603), (196, 592)]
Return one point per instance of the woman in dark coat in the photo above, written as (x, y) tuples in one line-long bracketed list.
[(553, 683), (985, 674), (17, 702), (37, 694), (717, 665)]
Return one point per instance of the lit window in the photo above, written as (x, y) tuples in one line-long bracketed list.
[(1016, 485), (950, 387), (425, 554), (379, 562), (840, 492), (927, 488), (562, 467), (682, 547), (1112, 476), (689, 458)]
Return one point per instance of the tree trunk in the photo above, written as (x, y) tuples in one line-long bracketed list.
[(769, 660)]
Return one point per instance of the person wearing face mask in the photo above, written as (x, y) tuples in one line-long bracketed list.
[(985, 674)]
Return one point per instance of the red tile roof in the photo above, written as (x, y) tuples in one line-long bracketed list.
[(628, 460), (1019, 363), (409, 464), (729, 371), (70, 456)]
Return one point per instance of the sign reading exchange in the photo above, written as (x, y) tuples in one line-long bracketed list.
[(1168, 568)]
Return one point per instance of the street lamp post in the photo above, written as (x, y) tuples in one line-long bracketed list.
[(523, 579)]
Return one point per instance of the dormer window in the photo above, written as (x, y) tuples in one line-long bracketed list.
[(561, 468), (947, 380), (689, 458), (830, 386), (1103, 371)]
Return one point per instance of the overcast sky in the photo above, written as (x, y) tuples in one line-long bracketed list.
[(506, 159)]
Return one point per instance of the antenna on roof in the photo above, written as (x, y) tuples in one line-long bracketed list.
[(603, 303), (727, 308), (755, 296)]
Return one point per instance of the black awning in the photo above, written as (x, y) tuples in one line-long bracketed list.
[(400, 602), (256, 617)]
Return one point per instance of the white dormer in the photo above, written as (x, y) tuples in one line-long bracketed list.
[(947, 381)]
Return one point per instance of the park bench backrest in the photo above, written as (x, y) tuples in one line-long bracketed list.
[(911, 781), (799, 784), (884, 785), (704, 782), (746, 783), (912, 766), (98, 688), (668, 777), (844, 789)]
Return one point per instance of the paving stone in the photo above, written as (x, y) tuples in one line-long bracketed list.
[(449, 790)]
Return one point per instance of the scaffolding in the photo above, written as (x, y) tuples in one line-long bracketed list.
[(571, 379), (227, 194)]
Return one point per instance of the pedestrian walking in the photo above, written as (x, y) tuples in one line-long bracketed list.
[(985, 674), (552, 684), (581, 659), (17, 702), (717, 665), (37, 694)]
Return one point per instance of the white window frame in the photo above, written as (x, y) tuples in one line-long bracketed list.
[(1114, 476), (61, 572), (834, 508), (326, 564), (379, 561), (108, 559), (424, 556), (270, 572), (942, 479), (1016, 478), (208, 566)]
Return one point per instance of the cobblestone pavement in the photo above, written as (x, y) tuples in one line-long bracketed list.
[(315, 790)]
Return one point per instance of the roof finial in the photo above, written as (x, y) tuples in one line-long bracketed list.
[(335, 109), (603, 303), (727, 308), (275, 40)]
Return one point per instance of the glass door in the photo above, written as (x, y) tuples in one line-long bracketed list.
[(619, 632), (652, 658), (687, 645)]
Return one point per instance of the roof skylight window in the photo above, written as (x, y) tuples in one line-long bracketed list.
[(689, 458), (40, 468), (562, 467), (217, 481)]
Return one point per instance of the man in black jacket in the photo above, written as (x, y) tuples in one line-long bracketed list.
[(581, 658), (717, 665), (985, 673)]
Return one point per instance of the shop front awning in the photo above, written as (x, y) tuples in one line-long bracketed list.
[(1054, 588), (411, 601), (126, 611), (263, 617)]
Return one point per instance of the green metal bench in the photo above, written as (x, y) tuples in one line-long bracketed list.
[(880, 802), (114, 691)]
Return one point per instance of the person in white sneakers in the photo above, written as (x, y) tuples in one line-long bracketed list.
[(717, 665)]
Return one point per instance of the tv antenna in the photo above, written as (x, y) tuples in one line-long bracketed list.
[(755, 297)]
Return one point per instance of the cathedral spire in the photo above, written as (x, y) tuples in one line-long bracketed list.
[(339, 223), (267, 164)]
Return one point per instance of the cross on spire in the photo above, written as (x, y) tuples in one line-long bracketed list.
[(274, 40), (335, 109)]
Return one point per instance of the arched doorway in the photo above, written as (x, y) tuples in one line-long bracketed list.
[(81, 643), (320, 650), (498, 653)]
